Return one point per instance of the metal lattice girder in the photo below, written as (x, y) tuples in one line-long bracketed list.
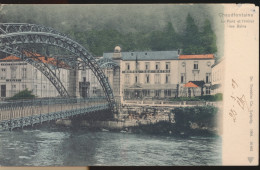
[(42, 67), (6, 28), (71, 62), (26, 34), (107, 63), (35, 119)]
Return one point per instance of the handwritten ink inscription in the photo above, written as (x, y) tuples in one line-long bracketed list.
[(239, 101)]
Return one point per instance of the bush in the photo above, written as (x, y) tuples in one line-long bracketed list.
[(196, 98), (25, 94), (216, 97), (202, 115)]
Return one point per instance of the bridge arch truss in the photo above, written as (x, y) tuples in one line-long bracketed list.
[(14, 36)]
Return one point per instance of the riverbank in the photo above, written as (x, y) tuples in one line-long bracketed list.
[(157, 128), (188, 121)]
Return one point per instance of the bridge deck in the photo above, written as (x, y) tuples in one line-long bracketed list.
[(29, 113)]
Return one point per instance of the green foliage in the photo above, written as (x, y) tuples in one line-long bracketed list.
[(134, 28), (196, 98), (191, 37), (192, 41), (202, 115), (216, 97), (25, 94), (196, 42), (208, 39)]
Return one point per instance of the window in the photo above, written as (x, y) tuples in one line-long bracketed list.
[(208, 77), (182, 77), (147, 79), (3, 90), (127, 78), (157, 66), (167, 93), (13, 72), (207, 90), (147, 66), (167, 66), (136, 79), (157, 79), (167, 78), (146, 92), (127, 66), (24, 86), (24, 75), (13, 86), (84, 79), (157, 93), (3, 74), (196, 65)]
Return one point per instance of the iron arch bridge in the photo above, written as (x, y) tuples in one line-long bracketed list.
[(19, 39), (107, 63)]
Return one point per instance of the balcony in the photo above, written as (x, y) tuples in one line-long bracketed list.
[(195, 71)]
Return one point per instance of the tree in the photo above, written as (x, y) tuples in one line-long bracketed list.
[(208, 39), (25, 94), (191, 37)]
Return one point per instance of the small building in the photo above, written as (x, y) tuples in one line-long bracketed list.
[(194, 88), (218, 72), (195, 68)]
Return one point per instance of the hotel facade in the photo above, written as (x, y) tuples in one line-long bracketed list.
[(160, 74), (17, 75)]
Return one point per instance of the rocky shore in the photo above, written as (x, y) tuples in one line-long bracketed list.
[(189, 121)]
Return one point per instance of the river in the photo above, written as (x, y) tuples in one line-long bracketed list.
[(64, 146)]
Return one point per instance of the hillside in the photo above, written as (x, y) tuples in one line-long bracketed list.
[(135, 27)]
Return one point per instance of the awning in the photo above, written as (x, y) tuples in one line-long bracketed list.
[(190, 84)]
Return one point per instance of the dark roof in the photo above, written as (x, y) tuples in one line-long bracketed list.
[(146, 55), (198, 83)]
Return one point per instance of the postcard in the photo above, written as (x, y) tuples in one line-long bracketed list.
[(128, 85)]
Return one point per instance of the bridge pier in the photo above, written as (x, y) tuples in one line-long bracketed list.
[(73, 87)]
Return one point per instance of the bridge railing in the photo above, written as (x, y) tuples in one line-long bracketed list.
[(47, 106), (34, 115), (46, 101)]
